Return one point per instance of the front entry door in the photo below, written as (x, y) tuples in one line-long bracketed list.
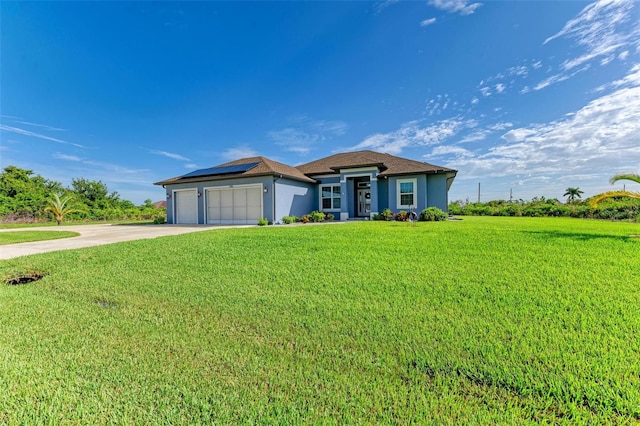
[(364, 202)]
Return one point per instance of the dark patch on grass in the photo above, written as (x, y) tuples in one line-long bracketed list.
[(24, 278), (107, 304), (578, 236), (594, 404)]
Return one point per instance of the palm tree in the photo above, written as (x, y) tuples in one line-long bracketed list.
[(611, 194), (59, 207), (572, 194)]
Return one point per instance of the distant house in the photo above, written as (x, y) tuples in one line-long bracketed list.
[(349, 185), (160, 204)]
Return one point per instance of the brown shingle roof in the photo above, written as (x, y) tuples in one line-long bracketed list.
[(387, 164), (265, 167)]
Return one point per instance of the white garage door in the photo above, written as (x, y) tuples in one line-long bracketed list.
[(186, 206), (234, 206)]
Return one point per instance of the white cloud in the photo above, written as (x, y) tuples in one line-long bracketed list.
[(169, 155), (329, 127), (66, 157), (294, 140), (631, 79), (381, 5), (239, 152), (5, 128), (500, 88), (478, 135), (438, 105), (602, 135), (449, 150), (550, 80), (413, 134), (428, 22), (601, 29), (304, 132), (43, 126), (462, 7), (110, 167), (503, 125), (474, 100), (483, 133), (519, 70), (486, 91)]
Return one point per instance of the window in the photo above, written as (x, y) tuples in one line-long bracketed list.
[(406, 195), (330, 197)]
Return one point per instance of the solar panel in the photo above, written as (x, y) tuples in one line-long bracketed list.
[(221, 170)]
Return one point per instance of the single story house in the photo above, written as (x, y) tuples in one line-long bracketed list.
[(350, 185)]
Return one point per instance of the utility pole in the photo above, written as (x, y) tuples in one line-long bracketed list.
[(510, 194), (478, 191)]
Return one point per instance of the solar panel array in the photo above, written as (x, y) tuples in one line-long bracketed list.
[(221, 170)]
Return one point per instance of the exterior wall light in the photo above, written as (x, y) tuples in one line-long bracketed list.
[(265, 190)]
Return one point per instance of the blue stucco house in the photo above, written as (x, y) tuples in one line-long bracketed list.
[(350, 185)]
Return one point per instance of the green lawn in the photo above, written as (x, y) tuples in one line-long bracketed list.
[(484, 320), (15, 237)]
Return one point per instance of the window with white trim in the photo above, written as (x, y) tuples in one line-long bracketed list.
[(406, 193), (330, 197)]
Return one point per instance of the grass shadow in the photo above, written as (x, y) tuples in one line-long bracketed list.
[(581, 236)]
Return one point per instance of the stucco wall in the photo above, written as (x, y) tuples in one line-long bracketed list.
[(437, 194), (294, 198)]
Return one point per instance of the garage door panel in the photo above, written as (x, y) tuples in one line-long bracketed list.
[(186, 207), (226, 213), (254, 197), (234, 205), (240, 198), (254, 212)]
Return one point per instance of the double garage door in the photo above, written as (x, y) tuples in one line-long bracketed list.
[(225, 206), (234, 206)]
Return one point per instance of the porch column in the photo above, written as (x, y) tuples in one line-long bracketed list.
[(374, 195), (344, 199)]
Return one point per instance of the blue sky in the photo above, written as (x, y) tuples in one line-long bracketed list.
[(526, 96)]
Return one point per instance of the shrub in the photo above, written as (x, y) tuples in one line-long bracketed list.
[(290, 219), (316, 216), (376, 217), (159, 220), (329, 216), (263, 222), (386, 215), (432, 214), (402, 216), (304, 219)]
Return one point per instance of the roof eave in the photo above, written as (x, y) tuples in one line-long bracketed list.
[(380, 166), (419, 172)]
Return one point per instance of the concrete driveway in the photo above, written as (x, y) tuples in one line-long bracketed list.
[(95, 235)]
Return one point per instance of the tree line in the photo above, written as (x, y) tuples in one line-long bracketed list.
[(612, 205), (27, 197)]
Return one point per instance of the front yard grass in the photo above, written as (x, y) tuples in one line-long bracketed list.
[(484, 320), (16, 237)]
